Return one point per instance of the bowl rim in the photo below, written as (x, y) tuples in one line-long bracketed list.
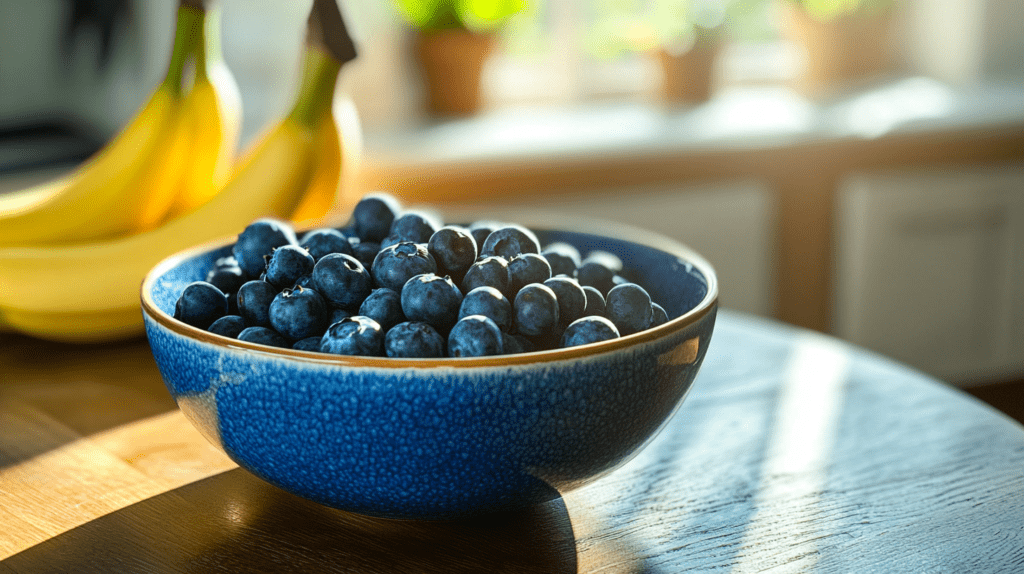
[(618, 231)]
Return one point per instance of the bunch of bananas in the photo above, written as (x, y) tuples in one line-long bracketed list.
[(74, 252)]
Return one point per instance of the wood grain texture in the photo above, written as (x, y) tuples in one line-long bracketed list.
[(793, 453), (234, 522), (85, 431)]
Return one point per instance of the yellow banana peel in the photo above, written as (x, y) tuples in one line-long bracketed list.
[(89, 205), (132, 184), (339, 151), (89, 291), (212, 115)]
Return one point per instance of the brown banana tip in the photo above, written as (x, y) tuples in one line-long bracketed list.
[(327, 29)]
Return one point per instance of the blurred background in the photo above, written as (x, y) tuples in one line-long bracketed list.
[(850, 166)]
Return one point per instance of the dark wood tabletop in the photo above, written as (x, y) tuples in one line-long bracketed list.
[(793, 453)]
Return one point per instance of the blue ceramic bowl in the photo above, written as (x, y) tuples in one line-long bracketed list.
[(440, 438)]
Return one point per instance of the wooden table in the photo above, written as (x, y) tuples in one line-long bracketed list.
[(793, 453)]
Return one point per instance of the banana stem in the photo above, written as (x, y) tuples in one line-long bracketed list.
[(208, 51), (187, 36), (316, 91)]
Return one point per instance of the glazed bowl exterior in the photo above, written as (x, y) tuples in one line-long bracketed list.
[(439, 438)]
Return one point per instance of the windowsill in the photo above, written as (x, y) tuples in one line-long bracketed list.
[(798, 148), (737, 119)]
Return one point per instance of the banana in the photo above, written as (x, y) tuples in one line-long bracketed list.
[(61, 213), (339, 150), (199, 159), (89, 291), (108, 195), (213, 114)]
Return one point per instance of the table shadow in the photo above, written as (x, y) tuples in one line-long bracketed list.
[(234, 522), (72, 391)]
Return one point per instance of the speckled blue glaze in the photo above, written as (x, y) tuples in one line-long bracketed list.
[(437, 440)]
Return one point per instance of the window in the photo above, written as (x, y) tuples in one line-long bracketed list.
[(571, 51)]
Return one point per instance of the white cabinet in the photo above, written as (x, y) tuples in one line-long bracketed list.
[(930, 269), (731, 224)]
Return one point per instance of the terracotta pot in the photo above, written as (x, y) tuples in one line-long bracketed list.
[(689, 77), (452, 62), (841, 53)]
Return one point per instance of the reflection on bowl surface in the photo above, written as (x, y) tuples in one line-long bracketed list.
[(438, 438)]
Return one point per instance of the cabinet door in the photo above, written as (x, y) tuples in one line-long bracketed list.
[(1013, 193), (927, 271), (730, 224)]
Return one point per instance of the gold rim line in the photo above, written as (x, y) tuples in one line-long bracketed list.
[(652, 240)]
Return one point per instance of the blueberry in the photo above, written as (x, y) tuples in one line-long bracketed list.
[(595, 301), (264, 336), (320, 242), (414, 226), (228, 326), (516, 344), (563, 258), (432, 299), (658, 315), (454, 250), (588, 330), (306, 281), (287, 264), (536, 310), (629, 307), (509, 241), (572, 299), (389, 241), (413, 339), (226, 261), (258, 240), (337, 315), (490, 303), (605, 258), (384, 306), (200, 304), (365, 251), (481, 229), (298, 313), (308, 344), (398, 263), (254, 299), (227, 278), (342, 280), (356, 335), (526, 268), (374, 214), (598, 270), (474, 336), (631, 275), (487, 272), (349, 231)]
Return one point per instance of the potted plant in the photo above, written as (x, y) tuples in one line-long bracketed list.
[(844, 43), (453, 40), (690, 37), (684, 37)]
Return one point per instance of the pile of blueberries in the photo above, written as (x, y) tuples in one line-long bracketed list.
[(398, 284)]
